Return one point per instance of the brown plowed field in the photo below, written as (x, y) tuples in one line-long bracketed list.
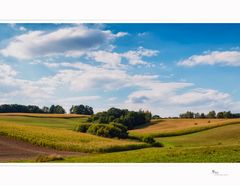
[(11, 149)]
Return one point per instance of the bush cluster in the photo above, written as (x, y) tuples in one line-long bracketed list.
[(130, 119), (82, 128), (110, 130), (151, 140)]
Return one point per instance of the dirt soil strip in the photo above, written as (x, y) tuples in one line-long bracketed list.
[(11, 149)]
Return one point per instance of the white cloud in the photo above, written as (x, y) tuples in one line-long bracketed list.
[(16, 27), (164, 98), (22, 28), (225, 58), (170, 99), (135, 57), (156, 92), (200, 97), (7, 70), (111, 59), (80, 76), (75, 40), (114, 59)]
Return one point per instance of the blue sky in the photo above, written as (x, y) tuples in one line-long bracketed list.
[(165, 68)]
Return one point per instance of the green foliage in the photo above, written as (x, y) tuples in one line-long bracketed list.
[(225, 114), (130, 119), (109, 131), (15, 108), (57, 109), (211, 114), (81, 109), (148, 139), (188, 114), (156, 117), (151, 140), (202, 115), (5, 108), (82, 127), (45, 109)]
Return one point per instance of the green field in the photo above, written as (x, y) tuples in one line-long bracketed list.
[(43, 120), (185, 140)]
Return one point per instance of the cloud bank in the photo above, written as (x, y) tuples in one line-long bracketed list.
[(224, 58), (70, 40)]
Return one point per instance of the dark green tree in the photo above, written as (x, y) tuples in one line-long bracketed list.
[(56, 109), (211, 114), (81, 109)]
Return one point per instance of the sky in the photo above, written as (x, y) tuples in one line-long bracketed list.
[(164, 68)]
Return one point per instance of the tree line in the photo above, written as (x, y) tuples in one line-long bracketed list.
[(123, 116), (53, 109), (210, 114)]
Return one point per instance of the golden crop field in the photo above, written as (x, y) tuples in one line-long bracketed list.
[(228, 135), (63, 139), (171, 127)]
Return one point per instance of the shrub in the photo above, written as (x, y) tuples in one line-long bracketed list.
[(82, 128), (151, 140), (148, 139), (109, 131), (156, 117)]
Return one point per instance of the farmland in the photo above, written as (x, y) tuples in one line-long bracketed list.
[(184, 140)]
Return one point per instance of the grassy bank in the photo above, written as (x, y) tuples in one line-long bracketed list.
[(163, 155)]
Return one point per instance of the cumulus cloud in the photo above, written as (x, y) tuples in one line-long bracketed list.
[(167, 99), (225, 58), (114, 59), (7, 70), (70, 40), (147, 91), (200, 97), (135, 57), (156, 92), (82, 76), (110, 59)]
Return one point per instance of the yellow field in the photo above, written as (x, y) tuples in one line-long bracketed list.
[(160, 127), (63, 139), (222, 136)]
